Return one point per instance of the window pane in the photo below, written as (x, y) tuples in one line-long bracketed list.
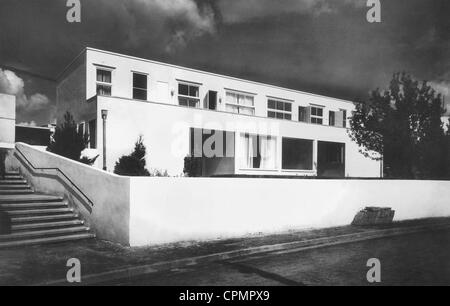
[(139, 80), (280, 105), (246, 111), (192, 102), (182, 101), (297, 154), (103, 90), (288, 116), (268, 152), (183, 89), (103, 76), (231, 98), (288, 107), (271, 104), (331, 118), (248, 101), (320, 112), (193, 91), (271, 114), (302, 114), (139, 94), (280, 115), (232, 108)]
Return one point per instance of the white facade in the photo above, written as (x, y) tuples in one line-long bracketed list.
[(100, 80), (7, 121)]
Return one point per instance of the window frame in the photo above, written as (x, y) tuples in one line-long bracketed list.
[(188, 97), (139, 88), (102, 83), (276, 111), (310, 141), (239, 106), (313, 118), (243, 135), (332, 122)]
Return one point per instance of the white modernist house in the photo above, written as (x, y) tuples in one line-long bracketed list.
[(230, 126)]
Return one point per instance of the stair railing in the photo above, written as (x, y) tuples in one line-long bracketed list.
[(60, 175)]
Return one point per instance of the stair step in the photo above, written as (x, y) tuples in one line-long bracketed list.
[(13, 177), (15, 186), (33, 205), (31, 226), (43, 218), (32, 198), (15, 191), (13, 213), (64, 238), (10, 181), (44, 233)]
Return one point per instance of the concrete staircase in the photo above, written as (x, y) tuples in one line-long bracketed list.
[(37, 218)]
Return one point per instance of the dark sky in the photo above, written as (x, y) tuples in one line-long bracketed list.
[(321, 46)]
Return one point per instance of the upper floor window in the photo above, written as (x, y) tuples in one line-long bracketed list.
[(332, 118), (240, 103), (316, 115), (188, 95), (104, 83), (338, 119), (139, 86), (279, 109), (303, 114)]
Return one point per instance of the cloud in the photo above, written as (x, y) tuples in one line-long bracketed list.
[(244, 10), (201, 20), (12, 84), (183, 19)]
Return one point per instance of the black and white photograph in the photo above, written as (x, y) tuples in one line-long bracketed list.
[(224, 149)]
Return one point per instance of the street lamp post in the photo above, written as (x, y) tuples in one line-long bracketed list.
[(104, 116)]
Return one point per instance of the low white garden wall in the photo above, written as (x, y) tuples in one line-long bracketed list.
[(174, 209), (151, 210)]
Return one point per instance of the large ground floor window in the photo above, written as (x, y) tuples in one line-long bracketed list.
[(330, 159), (258, 152), (297, 154)]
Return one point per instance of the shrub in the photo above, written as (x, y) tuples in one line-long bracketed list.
[(67, 141), (133, 164)]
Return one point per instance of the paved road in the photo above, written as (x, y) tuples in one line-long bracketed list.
[(415, 259)]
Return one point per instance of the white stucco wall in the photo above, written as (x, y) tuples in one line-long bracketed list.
[(166, 134), (7, 120), (175, 209)]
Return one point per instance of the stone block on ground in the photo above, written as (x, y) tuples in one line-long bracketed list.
[(374, 216)]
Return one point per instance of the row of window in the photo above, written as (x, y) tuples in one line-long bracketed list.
[(235, 102), (104, 84), (260, 152)]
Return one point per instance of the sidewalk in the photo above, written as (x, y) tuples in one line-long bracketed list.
[(47, 263)]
